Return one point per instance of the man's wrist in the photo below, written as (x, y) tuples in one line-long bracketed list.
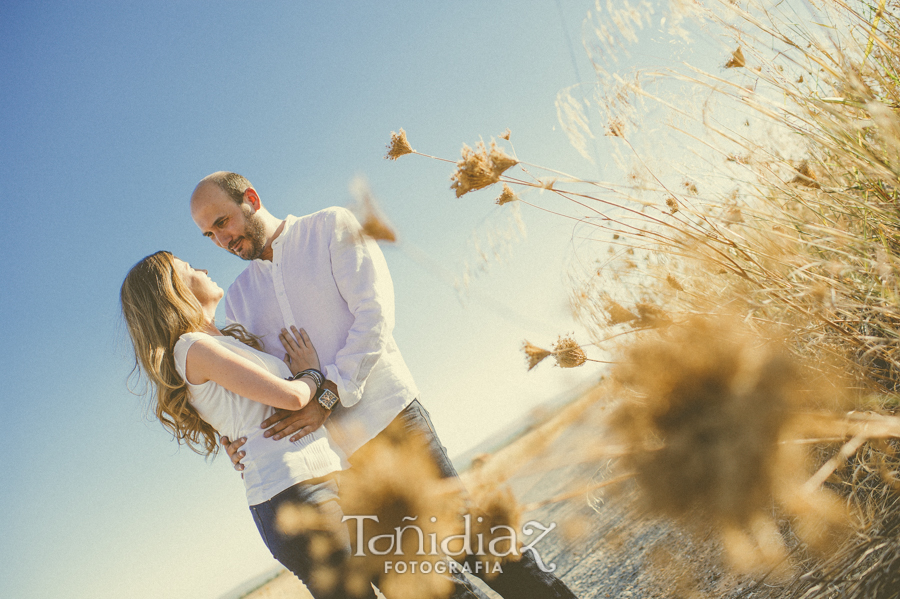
[(328, 396)]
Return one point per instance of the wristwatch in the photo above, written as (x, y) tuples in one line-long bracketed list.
[(326, 398)]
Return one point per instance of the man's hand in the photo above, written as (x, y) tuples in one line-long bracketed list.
[(302, 422), (232, 450)]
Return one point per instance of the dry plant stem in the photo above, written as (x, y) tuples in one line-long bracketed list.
[(818, 479)]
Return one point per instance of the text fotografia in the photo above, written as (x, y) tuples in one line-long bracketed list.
[(504, 541)]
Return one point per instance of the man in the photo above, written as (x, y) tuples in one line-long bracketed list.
[(319, 273)]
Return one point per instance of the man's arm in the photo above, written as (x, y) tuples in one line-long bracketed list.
[(361, 275)]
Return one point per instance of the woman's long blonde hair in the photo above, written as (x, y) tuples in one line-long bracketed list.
[(159, 308)]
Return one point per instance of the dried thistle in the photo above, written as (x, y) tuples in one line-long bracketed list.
[(399, 146), (508, 195), (736, 60), (534, 354), (477, 169), (568, 353), (505, 135)]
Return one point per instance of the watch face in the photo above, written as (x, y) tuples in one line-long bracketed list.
[(327, 399)]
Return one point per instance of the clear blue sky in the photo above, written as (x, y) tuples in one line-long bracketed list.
[(110, 112)]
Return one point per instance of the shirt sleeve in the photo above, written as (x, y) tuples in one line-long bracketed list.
[(179, 352), (362, 277)]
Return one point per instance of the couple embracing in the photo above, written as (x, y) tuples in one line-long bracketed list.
[(305, 376)]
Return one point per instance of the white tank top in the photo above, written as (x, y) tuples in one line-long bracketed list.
[(270, 466)]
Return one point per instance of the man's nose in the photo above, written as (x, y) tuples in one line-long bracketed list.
[(222, 240)]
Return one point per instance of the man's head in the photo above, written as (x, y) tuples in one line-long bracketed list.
[(228, 210)]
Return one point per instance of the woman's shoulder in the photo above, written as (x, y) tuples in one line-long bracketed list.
[(188, 339), (184, 343)]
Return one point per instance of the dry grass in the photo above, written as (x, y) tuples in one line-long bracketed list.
[(730, 294)]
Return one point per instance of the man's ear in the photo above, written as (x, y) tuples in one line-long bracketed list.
[(252, 198)]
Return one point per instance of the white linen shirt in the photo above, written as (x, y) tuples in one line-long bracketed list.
[(329, 279)]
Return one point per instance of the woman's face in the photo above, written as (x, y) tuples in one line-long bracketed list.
[(204, 289)]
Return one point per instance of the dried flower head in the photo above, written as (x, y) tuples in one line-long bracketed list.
[(374, 223), (651, 316), (568, 353), (398, 146), (534, 354), (477, 169), (705, 419), (395, 478), (615, 128), (496, 513), (806, 176), (507, 196), (505, 135), (473, 171), (673, 283), (736, 60), (500, 160), (618, 314), (378, 230)]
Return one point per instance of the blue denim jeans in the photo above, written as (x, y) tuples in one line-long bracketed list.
[(320, 554), (301, 553)]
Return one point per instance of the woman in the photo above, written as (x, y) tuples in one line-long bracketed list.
[(211, 381)]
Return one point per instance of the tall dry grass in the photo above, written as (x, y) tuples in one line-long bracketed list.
[(749, 300)]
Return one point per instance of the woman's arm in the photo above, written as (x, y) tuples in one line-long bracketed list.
[(207, 360)]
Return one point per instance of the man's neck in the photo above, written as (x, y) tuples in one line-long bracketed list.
[(267, 253)]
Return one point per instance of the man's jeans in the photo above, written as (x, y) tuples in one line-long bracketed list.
[(521, 579), (298, 553)]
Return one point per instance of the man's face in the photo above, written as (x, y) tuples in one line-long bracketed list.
[(236, 228)]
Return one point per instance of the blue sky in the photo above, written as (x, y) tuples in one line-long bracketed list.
[(112, 111)]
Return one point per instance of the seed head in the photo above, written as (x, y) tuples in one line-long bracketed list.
[(507, 196), (568, 353), (806, 176), (534, 354), (500, 160), (736, 60), (615, 128), (374, 223), (398, 146), (505, 135), (477, 169), (378, 230), (673, 283), (618, 314)]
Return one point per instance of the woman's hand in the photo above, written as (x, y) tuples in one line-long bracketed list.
[(301, 355)]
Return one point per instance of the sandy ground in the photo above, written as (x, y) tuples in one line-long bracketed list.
[(600, 546)]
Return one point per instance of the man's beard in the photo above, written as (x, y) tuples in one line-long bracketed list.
[(255, 234)]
